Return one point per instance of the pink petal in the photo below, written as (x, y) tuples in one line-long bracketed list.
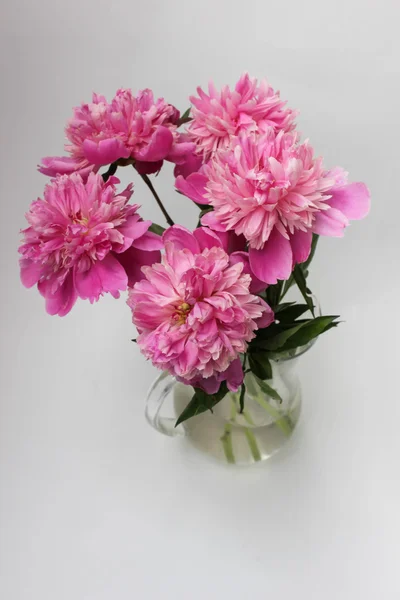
[(211, 221), (133, 229), (301, 245), (31, 272), (193, 187), (330, 222), (65, 165), (105, 152), (274, 260), (233, 375), (231, 242), (207, 238), (256, 285), (148, 168), (210, 385), (181, 238), (59, 302), (105, 275), (158, 148), (180, 151), (149, 241), (267, 317), (134, 259), (353, 200), (188, 357), (191, 165)]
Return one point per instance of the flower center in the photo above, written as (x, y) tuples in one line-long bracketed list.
[(181, 313)]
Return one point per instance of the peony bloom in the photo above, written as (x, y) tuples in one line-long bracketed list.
[(250, 107), (84, 240), (271, 190), (346, 201), (136, 128), (194, 311)]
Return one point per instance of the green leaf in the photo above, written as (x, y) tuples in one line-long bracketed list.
[(266, 333), (260, 365), (288, 285), (134, 340), (269, 390), (156, 229), (291, 313), (283, 306), (274, 293), (185, 118), (201, 402), (302, 285), (278, 341), (309, 331)]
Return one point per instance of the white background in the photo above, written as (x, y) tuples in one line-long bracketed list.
[(94, 504)]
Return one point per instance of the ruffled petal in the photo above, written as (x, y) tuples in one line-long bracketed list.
[(149, 241), (331, 222), (353, 200), (181, 238), (134, 259), (62, 300), (63, 165), (104, 152), (194, 187), (256, 285), (274, 261), (30, 272), (107, 275), (267, 317), (158, 148), (300, 242), (212, 222), (207, 238), (233, 375)]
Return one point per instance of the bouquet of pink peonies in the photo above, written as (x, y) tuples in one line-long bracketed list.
[(207, 303)]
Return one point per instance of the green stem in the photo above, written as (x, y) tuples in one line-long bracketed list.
[(248, 418), (147, 181), (226, 440), (281, 421), (112, 169), (255, 452)]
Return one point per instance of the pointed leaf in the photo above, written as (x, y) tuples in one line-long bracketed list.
[(185, 118), (201, 402), (283, 306), (310, 330), (269, 390), (302, 285), (278, 341), (291, 313), (260, 365), (156, 229)]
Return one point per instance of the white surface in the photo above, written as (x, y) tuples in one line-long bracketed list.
[(94, 504)]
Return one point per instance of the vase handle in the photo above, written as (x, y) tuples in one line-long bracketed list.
[(157, 395)]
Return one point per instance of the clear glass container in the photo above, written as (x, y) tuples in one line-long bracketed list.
[(271, 412)]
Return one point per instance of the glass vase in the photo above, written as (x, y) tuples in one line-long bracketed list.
[(271, 412)]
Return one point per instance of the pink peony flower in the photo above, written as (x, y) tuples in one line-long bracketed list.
[(130, 127), (191, 163), (84, 240), (250, 107), (346, 201), (194, 311), (273, 191)]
